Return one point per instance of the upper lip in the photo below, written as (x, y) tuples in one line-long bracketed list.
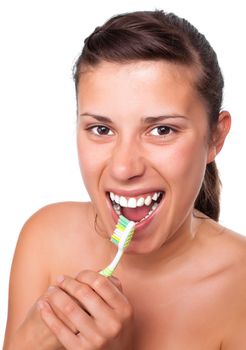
[(134, 193)]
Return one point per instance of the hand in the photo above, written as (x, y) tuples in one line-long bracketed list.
[(33, 333), (97, 309)]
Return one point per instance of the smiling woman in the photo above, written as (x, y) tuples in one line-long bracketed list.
[(164, 99), (149, 127)]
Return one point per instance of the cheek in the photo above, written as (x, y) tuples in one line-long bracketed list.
[(184, 162), (92, 160), (87, 162)]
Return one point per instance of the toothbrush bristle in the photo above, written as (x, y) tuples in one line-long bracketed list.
[(119, 231), (121, 237)]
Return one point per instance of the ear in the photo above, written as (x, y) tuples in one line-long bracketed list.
[(219, 135)]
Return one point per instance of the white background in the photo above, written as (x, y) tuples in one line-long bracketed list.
[(39, 42)]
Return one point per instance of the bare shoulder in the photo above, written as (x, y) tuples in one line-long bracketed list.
[(230, 244), (45, 237), (226, 252), (60, 231), (233, 247), (235, 250), (38, 252), (46, 232), (55, 222), (59, 215)]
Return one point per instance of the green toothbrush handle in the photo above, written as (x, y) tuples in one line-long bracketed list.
[(107, 272)]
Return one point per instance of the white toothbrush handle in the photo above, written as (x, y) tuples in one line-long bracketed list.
[(125, 237), (111, 267), (116, 260)]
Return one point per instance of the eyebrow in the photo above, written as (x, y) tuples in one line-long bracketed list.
[(100, 118), (156, 119), (145, 120)]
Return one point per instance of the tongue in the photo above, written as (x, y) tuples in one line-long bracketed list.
[(136, 214)]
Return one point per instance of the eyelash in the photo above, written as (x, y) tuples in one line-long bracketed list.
[(92, 129), (168, 128)]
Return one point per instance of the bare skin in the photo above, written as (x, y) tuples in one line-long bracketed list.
[(142, 128), (194, 300)]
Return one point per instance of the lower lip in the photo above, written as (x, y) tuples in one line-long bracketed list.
[(141, 225)]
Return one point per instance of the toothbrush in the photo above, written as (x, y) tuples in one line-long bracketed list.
[(121, 237)]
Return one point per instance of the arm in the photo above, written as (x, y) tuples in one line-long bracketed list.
[(31, 326), (28, 280)]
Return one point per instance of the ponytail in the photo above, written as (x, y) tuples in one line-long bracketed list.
[(208, 199)]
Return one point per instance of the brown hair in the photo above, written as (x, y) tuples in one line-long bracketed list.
[(156, 35)]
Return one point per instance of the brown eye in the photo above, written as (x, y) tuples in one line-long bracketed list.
[(101, 130), (161, 131)]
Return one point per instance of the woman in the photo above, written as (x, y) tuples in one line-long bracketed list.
[(149, 126)]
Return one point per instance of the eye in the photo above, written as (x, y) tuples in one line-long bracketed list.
[(100, 130), (161, 130)]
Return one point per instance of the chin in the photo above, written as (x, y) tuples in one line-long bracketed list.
[(144, 246)]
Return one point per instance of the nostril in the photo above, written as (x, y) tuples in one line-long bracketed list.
[(134, 177), (127, 163), (128, 170)]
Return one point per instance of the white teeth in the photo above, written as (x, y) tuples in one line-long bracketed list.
[(148, 200), (117, 199), (155, 196), (132, 203), (117, 209), (123, 202), (154, 206), (140, 202)]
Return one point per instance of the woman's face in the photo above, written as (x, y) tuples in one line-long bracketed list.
[(143, 142)]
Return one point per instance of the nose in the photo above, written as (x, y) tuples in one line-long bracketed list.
[(127, 161)]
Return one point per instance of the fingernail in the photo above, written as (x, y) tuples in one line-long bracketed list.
[(115, 281), (51, 288), (42, 305), (60, 279)]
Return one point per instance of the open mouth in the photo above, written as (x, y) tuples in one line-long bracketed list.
[(137, 208)]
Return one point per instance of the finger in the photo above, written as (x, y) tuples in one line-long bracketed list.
[(60, 314), (116, 282), (67, 309), (87, 297), (107, 322), (103, 287), (86, 338), (67, 338)]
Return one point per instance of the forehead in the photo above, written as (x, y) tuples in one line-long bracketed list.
[(138, 70), (145, 85)]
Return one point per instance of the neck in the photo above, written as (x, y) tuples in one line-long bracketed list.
[(173, 252)]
